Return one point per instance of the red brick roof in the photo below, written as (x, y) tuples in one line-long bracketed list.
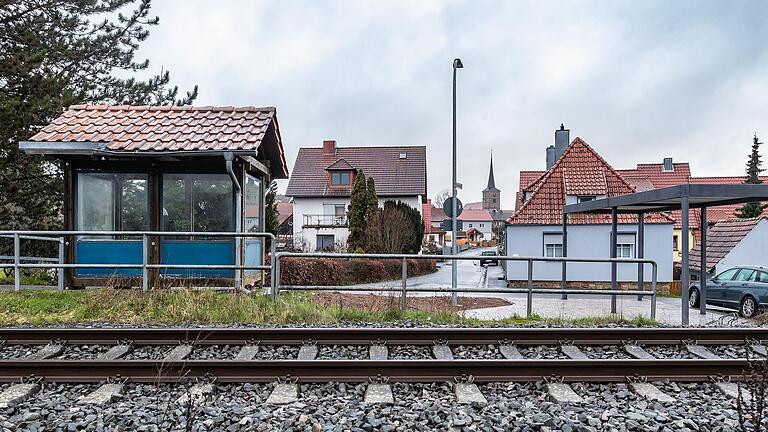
[(339, 165), (584, 170), (721, 239), (654, 172), (394, 176), (168, 128), (527, 178), (475, 215), (285, 210)]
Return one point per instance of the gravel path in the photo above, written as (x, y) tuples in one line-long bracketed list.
[(335, 406)]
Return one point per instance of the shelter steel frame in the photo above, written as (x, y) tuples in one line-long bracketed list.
[(681, 197)]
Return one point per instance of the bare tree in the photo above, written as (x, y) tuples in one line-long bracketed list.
[(441, 197)]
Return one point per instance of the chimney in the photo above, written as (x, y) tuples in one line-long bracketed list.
[(562, 139), (668, 166), (550, 156), (329, 147)]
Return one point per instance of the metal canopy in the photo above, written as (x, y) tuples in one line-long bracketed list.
[(681, 197), (671, 198)]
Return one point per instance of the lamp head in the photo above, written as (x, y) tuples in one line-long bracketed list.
[(457, 64)]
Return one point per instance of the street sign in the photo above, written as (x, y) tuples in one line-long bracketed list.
[(448, 207)]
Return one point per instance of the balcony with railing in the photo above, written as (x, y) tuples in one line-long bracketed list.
[(324, 221)]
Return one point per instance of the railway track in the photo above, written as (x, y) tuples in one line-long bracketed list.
[(569, 354)]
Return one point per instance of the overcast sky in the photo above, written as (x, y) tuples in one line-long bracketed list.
[(637, 80)]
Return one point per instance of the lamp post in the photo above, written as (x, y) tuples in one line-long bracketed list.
[(454, 271)]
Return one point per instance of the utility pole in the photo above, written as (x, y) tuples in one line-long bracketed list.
[(454, 271)]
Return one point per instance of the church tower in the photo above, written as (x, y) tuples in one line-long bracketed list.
[(491, 195)]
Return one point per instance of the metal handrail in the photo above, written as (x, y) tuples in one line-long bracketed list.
[(530, 290), (145, 265)]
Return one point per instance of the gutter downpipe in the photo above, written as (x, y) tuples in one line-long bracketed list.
[(229, 157)]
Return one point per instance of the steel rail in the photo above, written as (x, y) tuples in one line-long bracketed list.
[(230, 371), (401, 336)]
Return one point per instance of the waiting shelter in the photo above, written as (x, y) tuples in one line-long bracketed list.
[(681, 197), (162, 168)]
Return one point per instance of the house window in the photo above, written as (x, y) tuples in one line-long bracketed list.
[(553, 245), (553, 250), (470, 225), (624, 250), (585, 198), (325, 242), (675, 246), (340, 178), (482, 225)]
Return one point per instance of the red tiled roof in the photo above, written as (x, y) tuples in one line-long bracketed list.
[(474, 206), (285, 210), (721, 239), (527, 178), (339, 165), (584, 180), (167, 128), (583, 165), (475, 215), (658, 177), (394, 176), (438, 215)]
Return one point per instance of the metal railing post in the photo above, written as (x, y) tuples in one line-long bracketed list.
[(16, 262), (529, 305), (272, 251), (144, 259), (61, 261), (654, 271), (404, 295), (276, 270)]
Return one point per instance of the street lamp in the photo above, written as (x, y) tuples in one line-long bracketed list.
[(454, 271)]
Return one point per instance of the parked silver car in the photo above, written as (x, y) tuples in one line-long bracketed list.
[(743, 288)]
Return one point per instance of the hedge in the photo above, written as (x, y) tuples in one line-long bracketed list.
[(327, 271)]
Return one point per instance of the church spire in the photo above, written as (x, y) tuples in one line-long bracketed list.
[(491, 180)]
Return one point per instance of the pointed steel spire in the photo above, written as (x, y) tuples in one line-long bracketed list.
[(491, 180)]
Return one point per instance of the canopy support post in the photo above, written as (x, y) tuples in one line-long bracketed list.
[(614, 234), (703, 275)]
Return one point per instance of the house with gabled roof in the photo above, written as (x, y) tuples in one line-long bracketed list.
[(321, 186), (535, 229), (734, 242)]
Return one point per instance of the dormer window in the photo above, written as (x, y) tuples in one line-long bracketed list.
[(585, 198), (340, 178)]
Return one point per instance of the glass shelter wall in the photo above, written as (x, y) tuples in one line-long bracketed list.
[(198, 203), (110, 201)]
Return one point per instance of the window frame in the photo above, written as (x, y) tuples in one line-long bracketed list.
[(117, 206), (554, 247), (341, 175), (585, 198)]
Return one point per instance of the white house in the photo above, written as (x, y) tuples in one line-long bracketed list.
[(321, 185), (734, 242), (535, 229), (479, 219)]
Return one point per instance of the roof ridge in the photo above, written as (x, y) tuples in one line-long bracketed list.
[(109, 107), (367, 147)]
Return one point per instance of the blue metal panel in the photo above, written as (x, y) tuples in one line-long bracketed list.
[(108, 252), (198, 252)]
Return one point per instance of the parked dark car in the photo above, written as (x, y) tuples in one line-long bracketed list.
[(742, 288), (488, 261)]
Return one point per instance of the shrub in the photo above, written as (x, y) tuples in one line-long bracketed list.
[(330, 271)]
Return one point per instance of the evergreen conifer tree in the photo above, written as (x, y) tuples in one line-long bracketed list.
[(271, 214), (54, 54), (754, 168), (357, 214)]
